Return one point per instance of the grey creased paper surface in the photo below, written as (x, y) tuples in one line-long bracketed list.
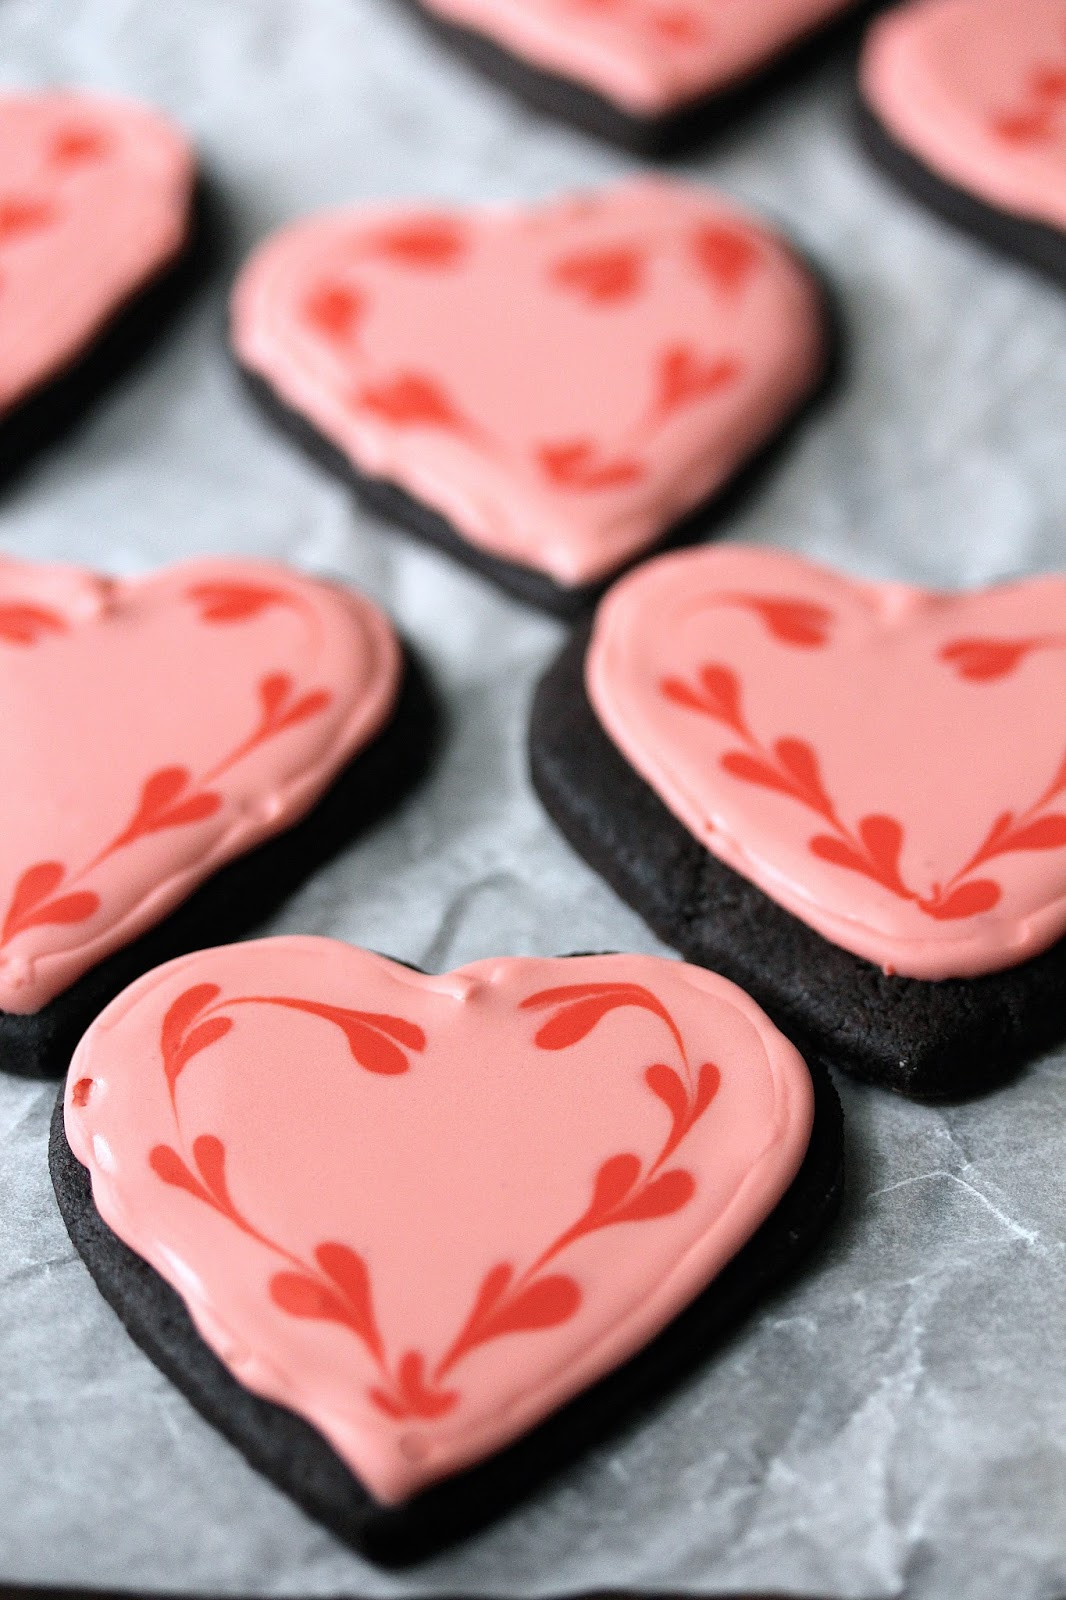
[(895, 1422)]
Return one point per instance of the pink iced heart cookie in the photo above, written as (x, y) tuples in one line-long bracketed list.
[(156, 730), (647, 73), (473, 1196), (886, 764), (545, 393), (966, 103), (96, 202)]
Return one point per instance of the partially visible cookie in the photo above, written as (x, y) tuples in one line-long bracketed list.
[(547, 394), (99, 236), (848, 797), (964, 102), (180, 752), (650, 75), (411, 1242)]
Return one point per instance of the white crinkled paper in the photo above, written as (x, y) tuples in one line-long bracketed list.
[(896, 1420)]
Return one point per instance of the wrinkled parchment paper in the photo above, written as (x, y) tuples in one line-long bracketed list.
[(896, 1421)]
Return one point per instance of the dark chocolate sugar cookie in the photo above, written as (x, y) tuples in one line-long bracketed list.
[(848, 797), (573, 1176), (547, 394)]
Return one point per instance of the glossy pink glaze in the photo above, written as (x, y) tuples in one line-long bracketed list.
[(155, 729), (95, 199), (648, 56), (976, 89), (561, 384), (481, 1146), (887, 763)]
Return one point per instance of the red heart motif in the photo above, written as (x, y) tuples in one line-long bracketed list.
[(424, 1212), (561, 384), (977, 90), (887, 763), (157, 729), (646, 55), (95, 198)]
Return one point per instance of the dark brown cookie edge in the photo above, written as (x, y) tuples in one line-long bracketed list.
[(52, 410), (1038, 244)]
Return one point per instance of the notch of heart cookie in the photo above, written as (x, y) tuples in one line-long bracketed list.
[(157, 729), (647, 56), (884, 762), (645, 342), (976, 90), (95, 201), (625, 1125)]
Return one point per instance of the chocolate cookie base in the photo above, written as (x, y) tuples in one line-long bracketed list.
[(660, 136), (524, 583), (932, 1041), (242, 893), (1037, 243), (48, 412), (294, 1456)]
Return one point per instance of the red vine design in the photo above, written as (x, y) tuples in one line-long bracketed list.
[(685, 377), (667, 22), (728, 254), (335, 1286), (413, 400), (20, 216), (873, 848), (1034, 120), (605, 277), (983, 660), (23, 622), (170, 797), (425, 242), (578, 464), (335, 311), (725, 253), (73, 146)]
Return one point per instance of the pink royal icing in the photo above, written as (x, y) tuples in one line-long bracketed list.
[(648, 56), (887, 763), (553, 1158), (977, 90), (155, 729), (561, 384), (95, 199)]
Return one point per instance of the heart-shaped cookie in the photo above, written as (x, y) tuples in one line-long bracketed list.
[(647, 73), (887, 764), (545, 392), (156, 730), (423, 1213), (96, 203), (966, 103)]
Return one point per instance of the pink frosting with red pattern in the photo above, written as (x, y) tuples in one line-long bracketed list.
[(561, 384), (976, 89), (649, 56), (552, 1158), (95, 199), (155, 729), (887, 763)]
